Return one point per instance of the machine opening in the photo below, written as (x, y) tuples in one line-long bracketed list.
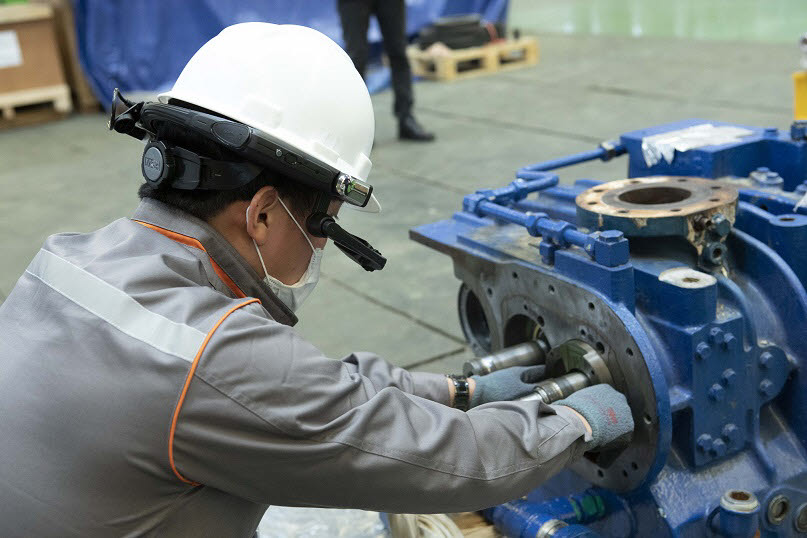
[(472, 318), (655, 195), (519, 329)]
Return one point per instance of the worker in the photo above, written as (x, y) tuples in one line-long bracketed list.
[(151, 382), (391, 16)]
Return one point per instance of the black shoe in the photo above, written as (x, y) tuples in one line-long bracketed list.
[(410, 129)]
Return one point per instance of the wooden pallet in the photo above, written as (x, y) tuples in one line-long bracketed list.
[(57, 99), (446, 64)]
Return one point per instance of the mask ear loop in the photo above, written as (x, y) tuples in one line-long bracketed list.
[(265, 272), (296, 224)]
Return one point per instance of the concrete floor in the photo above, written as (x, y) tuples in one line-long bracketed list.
[(75, 176)]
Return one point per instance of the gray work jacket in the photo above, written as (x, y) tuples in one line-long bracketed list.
[(150, 384)]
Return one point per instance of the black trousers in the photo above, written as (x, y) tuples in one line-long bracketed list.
[(391, 15)]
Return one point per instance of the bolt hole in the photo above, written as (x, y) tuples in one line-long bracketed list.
[(739, 495), (717, 253), (593, 203), (715, 187), (591, 306), (763, 207), (778, 509), (675, 210), (600, 473), (624, 473), (787, 219), (600, 347), (629, 351), (515, 275), (541, 321), (647, 419), (490, 291), (622, 211), (682, 180), (582, 332), (634, 466), (598, 190), (551, 288), (714, 199), (526, 307), (691, 280)]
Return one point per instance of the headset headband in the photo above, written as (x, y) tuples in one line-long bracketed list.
[(142, 120)]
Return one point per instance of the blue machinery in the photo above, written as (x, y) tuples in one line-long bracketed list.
[(684, 287)]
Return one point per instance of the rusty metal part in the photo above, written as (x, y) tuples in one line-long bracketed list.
[(700, 210), (658, 197)]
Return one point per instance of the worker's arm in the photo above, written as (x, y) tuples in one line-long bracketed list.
[(382, 374), (269, 418)]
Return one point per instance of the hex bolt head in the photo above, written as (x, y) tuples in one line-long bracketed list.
[(729, 376), (731, 434), (728, 342), (718, 448), (715, 335), (765, 360), (705, 442), (717, 392), (611, 236), (703, 351), (766, 387), (721, 225)]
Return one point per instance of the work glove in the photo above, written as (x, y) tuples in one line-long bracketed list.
[(506, 384), (606, 411)]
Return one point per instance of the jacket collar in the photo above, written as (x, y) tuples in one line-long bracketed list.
[(220, 251)]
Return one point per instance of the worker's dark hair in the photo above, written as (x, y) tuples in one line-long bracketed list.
[(206, 204)]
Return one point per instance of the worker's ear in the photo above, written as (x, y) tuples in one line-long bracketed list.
[(261, 214)]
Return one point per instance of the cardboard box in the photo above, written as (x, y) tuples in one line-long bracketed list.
[(30, 67)]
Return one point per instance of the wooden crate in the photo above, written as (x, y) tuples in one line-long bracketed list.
[(446, 64), (36, 76)]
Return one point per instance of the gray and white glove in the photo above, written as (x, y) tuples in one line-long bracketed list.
[(506, 384), (606, 411)]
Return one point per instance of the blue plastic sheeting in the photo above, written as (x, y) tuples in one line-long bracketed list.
[(143, 46)]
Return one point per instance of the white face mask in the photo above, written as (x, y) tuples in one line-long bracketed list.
[(293, 295)]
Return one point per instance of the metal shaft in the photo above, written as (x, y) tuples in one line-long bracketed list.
[(554, 389), (526, 354)]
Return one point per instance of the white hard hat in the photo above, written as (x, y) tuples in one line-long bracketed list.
[(291, 82)]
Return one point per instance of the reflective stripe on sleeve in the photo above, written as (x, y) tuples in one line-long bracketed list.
[(116, 307)]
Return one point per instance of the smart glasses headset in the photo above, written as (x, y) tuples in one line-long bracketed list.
[(180, 168)]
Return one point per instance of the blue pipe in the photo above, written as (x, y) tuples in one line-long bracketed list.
[(604, 152)]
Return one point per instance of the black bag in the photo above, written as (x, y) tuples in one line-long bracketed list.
[(460, 32)]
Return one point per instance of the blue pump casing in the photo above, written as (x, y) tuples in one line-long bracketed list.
[(701, 319)]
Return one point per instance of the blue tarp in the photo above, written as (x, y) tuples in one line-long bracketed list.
[(143, 45)]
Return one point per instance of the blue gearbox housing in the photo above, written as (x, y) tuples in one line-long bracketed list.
[(683, 286)]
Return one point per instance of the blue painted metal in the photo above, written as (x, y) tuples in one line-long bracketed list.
[(726, 360), (733, 523)]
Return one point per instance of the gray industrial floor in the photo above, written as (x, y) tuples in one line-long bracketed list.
[(75, 176)]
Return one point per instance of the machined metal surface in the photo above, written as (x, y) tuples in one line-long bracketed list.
[(556, 388), (526, 354)]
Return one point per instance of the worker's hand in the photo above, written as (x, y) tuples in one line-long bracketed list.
[(507, 384), (606, 411)]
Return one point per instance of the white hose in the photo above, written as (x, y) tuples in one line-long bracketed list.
[(423, 526)]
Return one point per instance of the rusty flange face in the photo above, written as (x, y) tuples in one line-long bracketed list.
[(655, 206)]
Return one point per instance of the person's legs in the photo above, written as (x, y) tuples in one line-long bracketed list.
[(355, 16), (391, 16)]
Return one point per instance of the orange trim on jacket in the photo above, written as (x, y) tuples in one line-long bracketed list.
[(191, 242), (192, 370)]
